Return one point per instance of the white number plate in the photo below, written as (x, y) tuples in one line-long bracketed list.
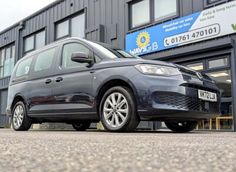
[(208, 96)]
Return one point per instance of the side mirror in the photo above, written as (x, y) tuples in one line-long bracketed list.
[(81, 58)]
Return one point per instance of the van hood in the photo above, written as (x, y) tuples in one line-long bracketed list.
[(131, 62)]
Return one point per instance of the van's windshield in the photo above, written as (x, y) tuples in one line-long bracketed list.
[(111, 52), (122, 54)]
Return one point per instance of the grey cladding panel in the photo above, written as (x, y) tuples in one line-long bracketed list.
[(97, 15), (91, 14), (4, 83), (113, 31), (96, 34), (187, 7), (63, 10), (3, 100), (197, 5), (8, 37)]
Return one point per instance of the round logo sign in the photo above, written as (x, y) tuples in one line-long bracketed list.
[(143, 39)]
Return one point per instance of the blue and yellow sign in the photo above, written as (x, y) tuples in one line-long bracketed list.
[(152, 39), (143, 39), (197, 27)]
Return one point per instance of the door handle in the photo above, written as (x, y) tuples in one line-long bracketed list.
[(48, 81), (59, 79)]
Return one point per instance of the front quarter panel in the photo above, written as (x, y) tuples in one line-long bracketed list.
[(104, 75)]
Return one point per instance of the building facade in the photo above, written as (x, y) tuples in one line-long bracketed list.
[(193, 33)]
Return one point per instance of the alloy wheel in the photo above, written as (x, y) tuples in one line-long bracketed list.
[(18, 116), (115, 110)]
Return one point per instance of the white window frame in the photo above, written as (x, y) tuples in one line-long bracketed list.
[(12, 55), (131, 14), (153, 19), (57, 26), (69, 19), (34, 35), (211, 3), (168, 16)]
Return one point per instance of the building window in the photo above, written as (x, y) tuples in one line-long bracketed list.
[(44, 60), (196, 66), (78, 26), (222, 62), (212, 1), (2, 58), (223, 81), (146, 11), (40, 40), (140, 13), (62, 29), (74, 26), (165, 9), (218, 69), (35, 41), (7, 60), (29, 43)]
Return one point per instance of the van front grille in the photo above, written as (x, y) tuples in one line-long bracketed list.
[(193, 73), (182, 102)]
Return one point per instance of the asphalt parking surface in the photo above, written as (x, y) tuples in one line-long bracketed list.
[(103, 151)]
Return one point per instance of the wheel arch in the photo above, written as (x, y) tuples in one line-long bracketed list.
[(112, 83), (16, 99)]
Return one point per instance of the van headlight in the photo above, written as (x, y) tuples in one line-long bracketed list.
[(157, 70)]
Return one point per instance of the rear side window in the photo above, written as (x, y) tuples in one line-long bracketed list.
[(44, 60), (23, 67), (68, 50)]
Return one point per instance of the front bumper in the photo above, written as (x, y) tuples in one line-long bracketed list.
[(174, 98)]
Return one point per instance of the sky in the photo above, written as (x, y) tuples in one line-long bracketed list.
[(12, 11)]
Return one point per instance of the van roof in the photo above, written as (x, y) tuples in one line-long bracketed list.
[(68, 39), (49, 45)]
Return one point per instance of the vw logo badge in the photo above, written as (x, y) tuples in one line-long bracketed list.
[(199, 75)]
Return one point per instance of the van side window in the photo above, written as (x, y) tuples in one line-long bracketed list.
[(68, 50), (97, 59), (23, 67), (44, 60)]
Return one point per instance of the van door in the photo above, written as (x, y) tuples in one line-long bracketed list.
[(41, 83), (72, 88)]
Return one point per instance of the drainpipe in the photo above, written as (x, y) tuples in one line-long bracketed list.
[(19, 41), (233, 75)]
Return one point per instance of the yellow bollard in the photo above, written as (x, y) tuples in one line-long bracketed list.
[(100, 126)]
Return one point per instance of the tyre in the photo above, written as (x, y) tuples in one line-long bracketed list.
[(20, 119), (81, 126), (181, 127), (118, 110)]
